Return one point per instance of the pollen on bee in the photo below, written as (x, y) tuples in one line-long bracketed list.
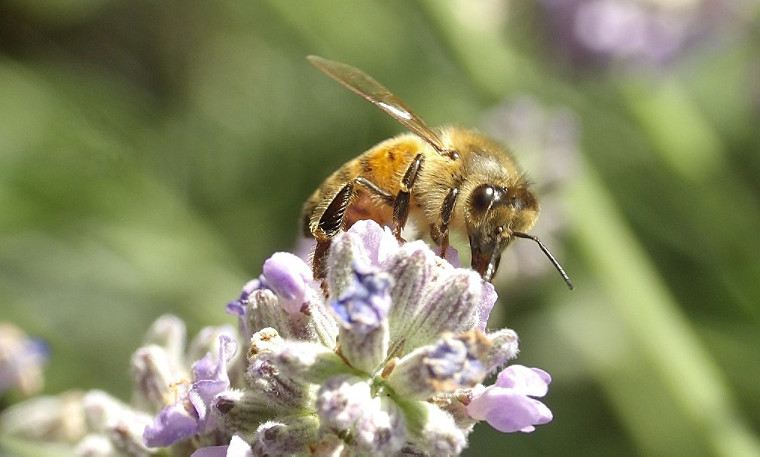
[(388, 163)]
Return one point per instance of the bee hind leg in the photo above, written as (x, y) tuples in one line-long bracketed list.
[(328, 225), (440, 230), (333, 220)]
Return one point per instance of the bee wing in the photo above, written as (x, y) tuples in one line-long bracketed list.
[(364, 85)]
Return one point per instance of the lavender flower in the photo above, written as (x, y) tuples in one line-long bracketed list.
[(390, 362), (391, 375)]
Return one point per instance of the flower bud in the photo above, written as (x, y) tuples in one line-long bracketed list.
[(289, 277), (433, 431), (288, 435), (308, 363), (168, 332), (154, 372), (381, 429), (242, 411), (504, 348), (340, 402)]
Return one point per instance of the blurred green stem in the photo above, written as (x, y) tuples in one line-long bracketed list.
[(672, 352), (686, 142)]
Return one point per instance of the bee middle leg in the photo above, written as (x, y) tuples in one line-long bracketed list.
[(401, 202)]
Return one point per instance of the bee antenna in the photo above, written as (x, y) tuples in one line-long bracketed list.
[(548, 254)]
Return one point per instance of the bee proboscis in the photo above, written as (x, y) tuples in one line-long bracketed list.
[(448, 179)]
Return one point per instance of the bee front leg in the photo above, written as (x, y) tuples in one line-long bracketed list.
[(401, 203), (440, 230)]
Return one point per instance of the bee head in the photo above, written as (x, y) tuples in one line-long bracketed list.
[(493, 214)]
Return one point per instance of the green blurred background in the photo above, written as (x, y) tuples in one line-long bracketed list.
[(154, 153)]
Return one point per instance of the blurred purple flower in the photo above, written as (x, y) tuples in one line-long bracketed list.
[(508, 405), (632, 31), (21, 360)]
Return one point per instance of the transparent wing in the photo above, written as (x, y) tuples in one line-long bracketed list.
[(363, 84)]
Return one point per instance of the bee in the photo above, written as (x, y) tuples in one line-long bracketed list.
[(448, 179)]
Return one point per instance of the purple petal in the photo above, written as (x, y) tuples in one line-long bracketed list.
[(526, 381), (210, 379), (207, 369), (288, 276), (378, 242), (452, 256), (487, 300), (172, 424), (237, 307), (455, 360), (211, 451), (176, 422), (201, 396), (237, 448), (508, 411)]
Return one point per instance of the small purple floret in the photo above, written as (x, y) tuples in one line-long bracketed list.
[(365, 303), (285, 274), (174, 423), (237, 307), (189, 414), (507, 405), (451, 359), (288, 276)]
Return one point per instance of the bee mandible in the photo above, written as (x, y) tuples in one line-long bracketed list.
[(448, 179)]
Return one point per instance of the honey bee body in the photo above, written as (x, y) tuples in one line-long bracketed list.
[(451, 179)]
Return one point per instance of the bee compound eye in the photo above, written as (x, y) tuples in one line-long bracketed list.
[(519, 199), (482, 197)]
